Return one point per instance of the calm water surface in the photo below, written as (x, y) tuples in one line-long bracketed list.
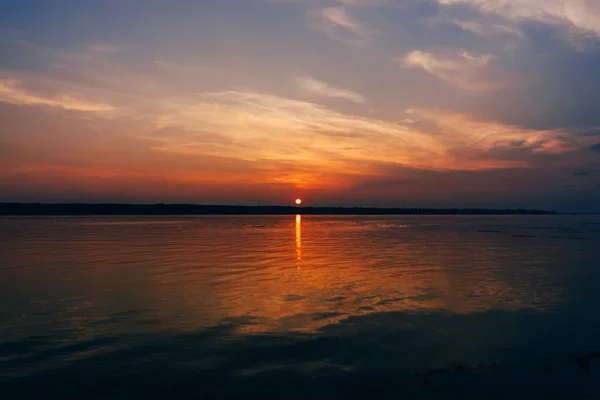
[(300, 306)]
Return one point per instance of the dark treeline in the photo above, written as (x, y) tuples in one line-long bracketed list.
[(191, 209)]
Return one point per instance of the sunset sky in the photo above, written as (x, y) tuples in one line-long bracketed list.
[(417, 103)]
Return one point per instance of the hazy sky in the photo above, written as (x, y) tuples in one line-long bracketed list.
[(492, 103)]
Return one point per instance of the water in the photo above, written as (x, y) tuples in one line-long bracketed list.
[(297, 307)]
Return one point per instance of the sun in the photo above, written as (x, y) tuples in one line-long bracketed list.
[(298, 202)]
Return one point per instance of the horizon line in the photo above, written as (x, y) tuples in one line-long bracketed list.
[(38, 208)]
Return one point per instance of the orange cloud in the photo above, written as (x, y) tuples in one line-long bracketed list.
[(11, 93)]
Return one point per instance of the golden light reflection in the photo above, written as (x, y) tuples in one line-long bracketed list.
[(348, 268), (298, 238)]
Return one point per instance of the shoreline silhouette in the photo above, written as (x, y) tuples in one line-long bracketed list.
[(50, 209)]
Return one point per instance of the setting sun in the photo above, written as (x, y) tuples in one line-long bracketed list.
[(298, 202)]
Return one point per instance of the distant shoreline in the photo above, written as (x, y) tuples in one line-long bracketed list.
[(39, 209)]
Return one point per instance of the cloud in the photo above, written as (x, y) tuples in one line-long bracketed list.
[(462, 70), (263, 126), (464, 134), (338, 16), (325, 90), (336, 23), (287, 141), (10, 92), (481, 29), (582, 173), (580, 15), (267, 127)]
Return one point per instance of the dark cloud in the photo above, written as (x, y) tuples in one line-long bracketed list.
[(582, 173), (589, 133), (595, 147), (542, 187), (553, 84)]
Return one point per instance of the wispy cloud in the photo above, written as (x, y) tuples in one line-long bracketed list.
[(289, 129), (481, 29), (462, 70), (169, 107), (325, 90), (465, 134), (336, 23), (274, 130), (261, 138), (311, 135), (10, 92), (581, 15)]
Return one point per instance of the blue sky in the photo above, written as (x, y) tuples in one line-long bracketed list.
[(355, 102)]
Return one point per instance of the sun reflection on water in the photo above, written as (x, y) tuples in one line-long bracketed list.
[(298, 238), (277, 278)]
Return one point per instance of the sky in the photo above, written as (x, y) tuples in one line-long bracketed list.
[(409, 103)]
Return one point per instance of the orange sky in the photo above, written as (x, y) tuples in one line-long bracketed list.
[(321, 106)]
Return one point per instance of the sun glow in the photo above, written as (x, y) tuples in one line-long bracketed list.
[(298, 202)]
